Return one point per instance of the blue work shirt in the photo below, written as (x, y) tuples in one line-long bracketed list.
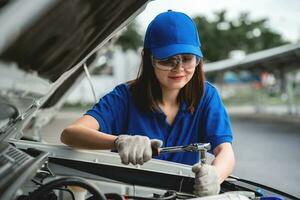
[(117, 114)]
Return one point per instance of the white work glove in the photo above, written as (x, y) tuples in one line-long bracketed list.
[(135, 149), (206, 180)]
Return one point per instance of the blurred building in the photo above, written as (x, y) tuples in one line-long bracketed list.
[(118, 67)]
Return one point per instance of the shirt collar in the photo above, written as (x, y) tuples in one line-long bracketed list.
[(183, 107)]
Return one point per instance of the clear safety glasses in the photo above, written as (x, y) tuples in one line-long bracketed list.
[(186, 61)]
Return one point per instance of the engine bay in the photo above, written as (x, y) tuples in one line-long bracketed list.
[(31, 170)]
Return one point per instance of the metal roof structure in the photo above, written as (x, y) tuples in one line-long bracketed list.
[(287, 56)]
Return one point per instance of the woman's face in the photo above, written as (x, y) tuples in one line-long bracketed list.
[(175, 72)]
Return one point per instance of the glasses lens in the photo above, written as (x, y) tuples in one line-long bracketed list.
[(187, 61)]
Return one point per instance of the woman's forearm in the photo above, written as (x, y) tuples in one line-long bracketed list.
[(87, 138), (224, 160)]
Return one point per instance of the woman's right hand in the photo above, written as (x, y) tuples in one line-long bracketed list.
[(135, 149)]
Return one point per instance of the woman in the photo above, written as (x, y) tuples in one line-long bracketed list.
[(168, 103)]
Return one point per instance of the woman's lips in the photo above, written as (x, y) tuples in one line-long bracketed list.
[(176, 77)]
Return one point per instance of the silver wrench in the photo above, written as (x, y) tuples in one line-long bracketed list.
[(195, 147)]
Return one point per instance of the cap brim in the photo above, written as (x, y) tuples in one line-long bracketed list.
[(172, 50)]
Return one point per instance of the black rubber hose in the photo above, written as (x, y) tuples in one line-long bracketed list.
[(114, 196), (169, 195), (67, 181)]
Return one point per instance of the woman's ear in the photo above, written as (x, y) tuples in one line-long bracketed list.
[(142, 52)]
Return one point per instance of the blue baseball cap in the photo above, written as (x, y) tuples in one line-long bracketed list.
[(171, 33)]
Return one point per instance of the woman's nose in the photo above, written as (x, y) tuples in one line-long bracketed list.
[(178, 66)]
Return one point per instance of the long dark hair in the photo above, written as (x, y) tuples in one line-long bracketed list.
[(146, 90)]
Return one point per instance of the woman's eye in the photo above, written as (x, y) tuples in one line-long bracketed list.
[(187, 59), (166, 62)]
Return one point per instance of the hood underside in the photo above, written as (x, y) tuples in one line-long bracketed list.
[(65, 33), (44, 44)]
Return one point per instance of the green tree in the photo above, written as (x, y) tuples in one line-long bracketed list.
[(130, 38), (220, 36)]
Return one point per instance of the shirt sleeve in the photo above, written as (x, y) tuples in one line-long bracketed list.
[(111, 110), (216, 124)]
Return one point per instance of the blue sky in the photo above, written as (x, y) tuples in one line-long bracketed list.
[(283, 15)]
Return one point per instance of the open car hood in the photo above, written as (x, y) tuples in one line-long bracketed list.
[(43, 46)]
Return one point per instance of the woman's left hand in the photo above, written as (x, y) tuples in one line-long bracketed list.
[(206, 180)]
